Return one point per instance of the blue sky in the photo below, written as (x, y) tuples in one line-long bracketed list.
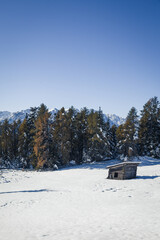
[(79, 52)]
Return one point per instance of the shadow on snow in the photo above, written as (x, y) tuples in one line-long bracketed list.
[(147, 177), (93, 165), (29, 191), (144, 161), (148, 161)]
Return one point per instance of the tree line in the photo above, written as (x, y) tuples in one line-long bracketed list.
[(40, 141)]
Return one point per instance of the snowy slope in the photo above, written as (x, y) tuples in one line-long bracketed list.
[(114, 119), (79, 203)]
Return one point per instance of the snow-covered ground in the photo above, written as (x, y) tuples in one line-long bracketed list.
[(79, 203)]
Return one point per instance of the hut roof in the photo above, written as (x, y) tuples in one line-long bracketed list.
[(123, 164)]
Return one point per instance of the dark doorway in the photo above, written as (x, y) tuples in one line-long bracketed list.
[(115, 174)]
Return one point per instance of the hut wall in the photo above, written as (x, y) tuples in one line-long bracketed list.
[(116, 173), (130, 171)]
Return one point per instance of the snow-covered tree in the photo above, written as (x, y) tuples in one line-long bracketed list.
[(96, 133), (127, 135), (63, 136), (81, 135), (149, 129), (23, 143)]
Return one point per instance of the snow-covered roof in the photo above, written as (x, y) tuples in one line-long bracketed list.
[(124, 163)]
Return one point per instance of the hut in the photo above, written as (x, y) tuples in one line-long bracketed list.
[(125, 170)]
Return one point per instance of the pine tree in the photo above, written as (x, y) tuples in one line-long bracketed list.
[(23, 143), (56, 137), (120, 141), (71, 127), (149, 129), (131, 132), (14, 135), (6, 142), (127, 135), (41, 138), (31, 130), (62, 137), (113, 141), (96, 142), (81, 135), (109, 144), (0, 143)]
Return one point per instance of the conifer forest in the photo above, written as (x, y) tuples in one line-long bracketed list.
[(42, 142)]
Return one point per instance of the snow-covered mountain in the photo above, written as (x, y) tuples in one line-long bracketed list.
[(20, 115), (14, 116), (114, 119)]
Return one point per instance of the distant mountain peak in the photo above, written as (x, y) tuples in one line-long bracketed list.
[(115, 120), (20, 115), (13, 116)]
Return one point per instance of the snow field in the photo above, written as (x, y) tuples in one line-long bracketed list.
[(79, 203)]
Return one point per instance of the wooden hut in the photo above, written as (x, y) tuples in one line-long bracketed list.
[(125, 170)]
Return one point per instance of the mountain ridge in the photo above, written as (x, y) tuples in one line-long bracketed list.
[(20, 115)]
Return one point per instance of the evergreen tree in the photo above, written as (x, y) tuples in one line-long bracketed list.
[(31, 132), (120, 141), (81, 138), (71, 127), (127, 135), (109, 141), (23, 143), (14, 135), (6, 142), (56, 136), (0, 143), (113, 141), (9, 143), (149, 129), (96, 142), (62, 137)]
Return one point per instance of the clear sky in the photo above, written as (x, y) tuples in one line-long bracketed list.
[(79, 52)]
